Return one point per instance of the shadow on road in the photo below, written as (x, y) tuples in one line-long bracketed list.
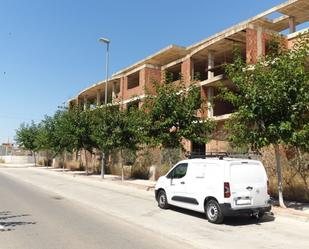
[(241, 220), (7, 224)]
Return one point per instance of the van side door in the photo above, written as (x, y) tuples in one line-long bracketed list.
[(177, 181)]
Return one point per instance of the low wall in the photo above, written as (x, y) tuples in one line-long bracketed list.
[(17, 159)]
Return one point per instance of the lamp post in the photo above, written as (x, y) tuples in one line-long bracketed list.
[(106, 41)]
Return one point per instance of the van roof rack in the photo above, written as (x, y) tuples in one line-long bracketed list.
[(221, 155)]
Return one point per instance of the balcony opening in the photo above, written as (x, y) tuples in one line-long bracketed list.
[(116, 88), (198, 148), (133, 80), (220, 106), (302, 26), (200, 70), (173, 73), (133, 105)]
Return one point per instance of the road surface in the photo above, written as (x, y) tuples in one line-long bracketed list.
[(44, 209), (34, 219)]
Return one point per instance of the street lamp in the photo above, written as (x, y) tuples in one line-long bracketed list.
[(106, 41)]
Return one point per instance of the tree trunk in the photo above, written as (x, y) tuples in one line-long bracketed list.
[(122, 169), (86, 164), (279, 175), (102, 165), (62, 162), (34, 156)]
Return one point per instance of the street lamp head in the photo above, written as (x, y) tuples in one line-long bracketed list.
[(105, 40)]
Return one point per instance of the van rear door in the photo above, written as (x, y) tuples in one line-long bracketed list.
[(248, 183)]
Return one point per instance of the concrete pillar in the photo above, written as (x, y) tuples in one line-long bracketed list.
[(113, 91), (85, 102), (259, 42), (210, 96), (98, 97), (292, 24), (192, 70), (211, 64), (186, 71), (77, 102)]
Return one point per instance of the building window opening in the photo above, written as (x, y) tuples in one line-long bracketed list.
[(133, 80), (134, 105), (198, 149), (173, 74)]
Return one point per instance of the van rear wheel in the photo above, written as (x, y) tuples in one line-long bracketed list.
[(214, 212), (162, 200)]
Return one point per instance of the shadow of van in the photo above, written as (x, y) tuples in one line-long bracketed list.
[(239, 220)]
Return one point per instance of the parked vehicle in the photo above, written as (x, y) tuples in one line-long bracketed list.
[(218, 187)]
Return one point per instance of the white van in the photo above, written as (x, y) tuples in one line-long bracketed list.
[(216, 186)]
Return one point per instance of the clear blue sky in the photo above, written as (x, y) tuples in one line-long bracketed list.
[(49, 49)]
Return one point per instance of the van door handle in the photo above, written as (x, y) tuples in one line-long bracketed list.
[(249, 188), (182, 182)]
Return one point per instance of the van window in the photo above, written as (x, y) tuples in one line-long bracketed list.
[(179, 171)]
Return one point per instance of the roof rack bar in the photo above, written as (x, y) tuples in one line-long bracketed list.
[(221, 155)]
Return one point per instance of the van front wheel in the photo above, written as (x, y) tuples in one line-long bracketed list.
[(213, 212)]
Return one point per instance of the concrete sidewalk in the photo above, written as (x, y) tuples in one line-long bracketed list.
[(137, 183)]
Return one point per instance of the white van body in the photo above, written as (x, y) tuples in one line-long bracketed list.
[(236, 185)]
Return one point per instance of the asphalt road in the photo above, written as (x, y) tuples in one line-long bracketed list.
[(31, 218), (43, 209)]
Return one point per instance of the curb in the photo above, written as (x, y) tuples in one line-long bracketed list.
[(290, 213)]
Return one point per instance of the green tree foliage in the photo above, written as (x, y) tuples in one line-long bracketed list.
[(116, 129), (53, 134), (172, 115), (271, 100), (26, 137), (73, 128)]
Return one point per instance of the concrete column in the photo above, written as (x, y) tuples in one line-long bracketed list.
[(85, 102), (77, 102), (211, 64), (98, 97), (210, 96), (192, 70), (113, 92), (292, 24), (259, 42)]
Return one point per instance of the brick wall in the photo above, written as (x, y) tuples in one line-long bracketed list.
[(251, 46), (151, 75), (133, 92), (186, 70)]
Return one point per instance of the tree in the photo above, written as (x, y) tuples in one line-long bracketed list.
[(74, 131), (51, 136), (101, 129), (26, 137), (172, 115), (271, 100), (116, 129)]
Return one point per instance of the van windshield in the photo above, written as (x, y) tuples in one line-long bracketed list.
[(247, 173)]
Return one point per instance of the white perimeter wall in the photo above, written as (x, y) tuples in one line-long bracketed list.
[(17, 159)]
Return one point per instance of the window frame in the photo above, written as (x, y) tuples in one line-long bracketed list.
[(171, 174)]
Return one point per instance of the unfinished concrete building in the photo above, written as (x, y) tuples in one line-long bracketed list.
[(206, 58)]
